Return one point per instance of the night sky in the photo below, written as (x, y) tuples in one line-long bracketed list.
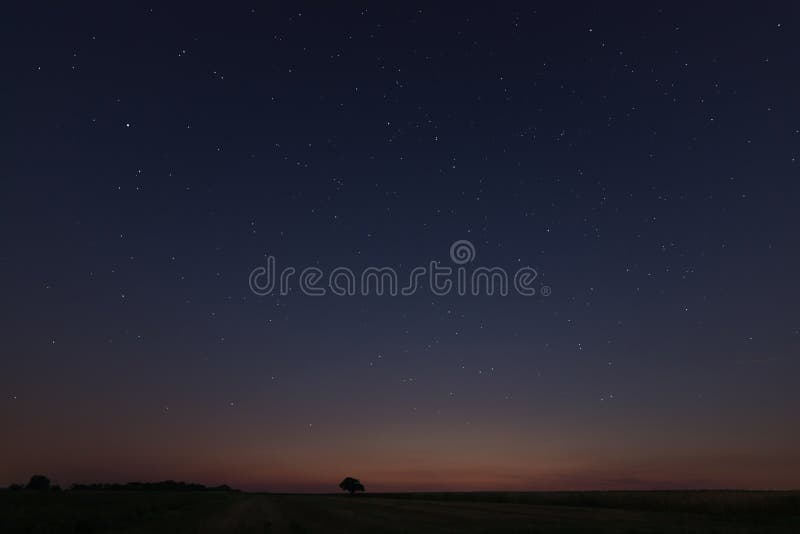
[(644, 160)]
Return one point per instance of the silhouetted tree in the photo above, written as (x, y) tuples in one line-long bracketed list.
[(38, 483), (16, 487), (352, 485)]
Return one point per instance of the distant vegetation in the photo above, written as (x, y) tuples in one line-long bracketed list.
[(36, 483), (42, 483), (167, 485), (351, 484)]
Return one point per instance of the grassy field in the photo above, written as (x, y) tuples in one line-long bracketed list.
[(155, 511)]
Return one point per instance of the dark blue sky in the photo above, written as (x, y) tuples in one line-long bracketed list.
[(643, 159)]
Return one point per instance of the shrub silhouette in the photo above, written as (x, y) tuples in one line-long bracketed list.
[(38, 483), (352, 485)]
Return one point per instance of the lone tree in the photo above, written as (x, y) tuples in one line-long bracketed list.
[(351, 484), (39, 483)]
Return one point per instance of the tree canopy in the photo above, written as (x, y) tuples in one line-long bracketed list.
[(352, 485)]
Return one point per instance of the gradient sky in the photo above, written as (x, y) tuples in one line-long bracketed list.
[(643, 159)]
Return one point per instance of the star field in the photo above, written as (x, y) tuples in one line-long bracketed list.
[(643, 159)]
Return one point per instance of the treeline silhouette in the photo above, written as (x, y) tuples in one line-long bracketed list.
[(42, 483), (166, 485)]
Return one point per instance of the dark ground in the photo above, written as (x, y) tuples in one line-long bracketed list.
[(156, 511)]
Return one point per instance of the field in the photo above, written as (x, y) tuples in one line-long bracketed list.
[(562, 512)]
